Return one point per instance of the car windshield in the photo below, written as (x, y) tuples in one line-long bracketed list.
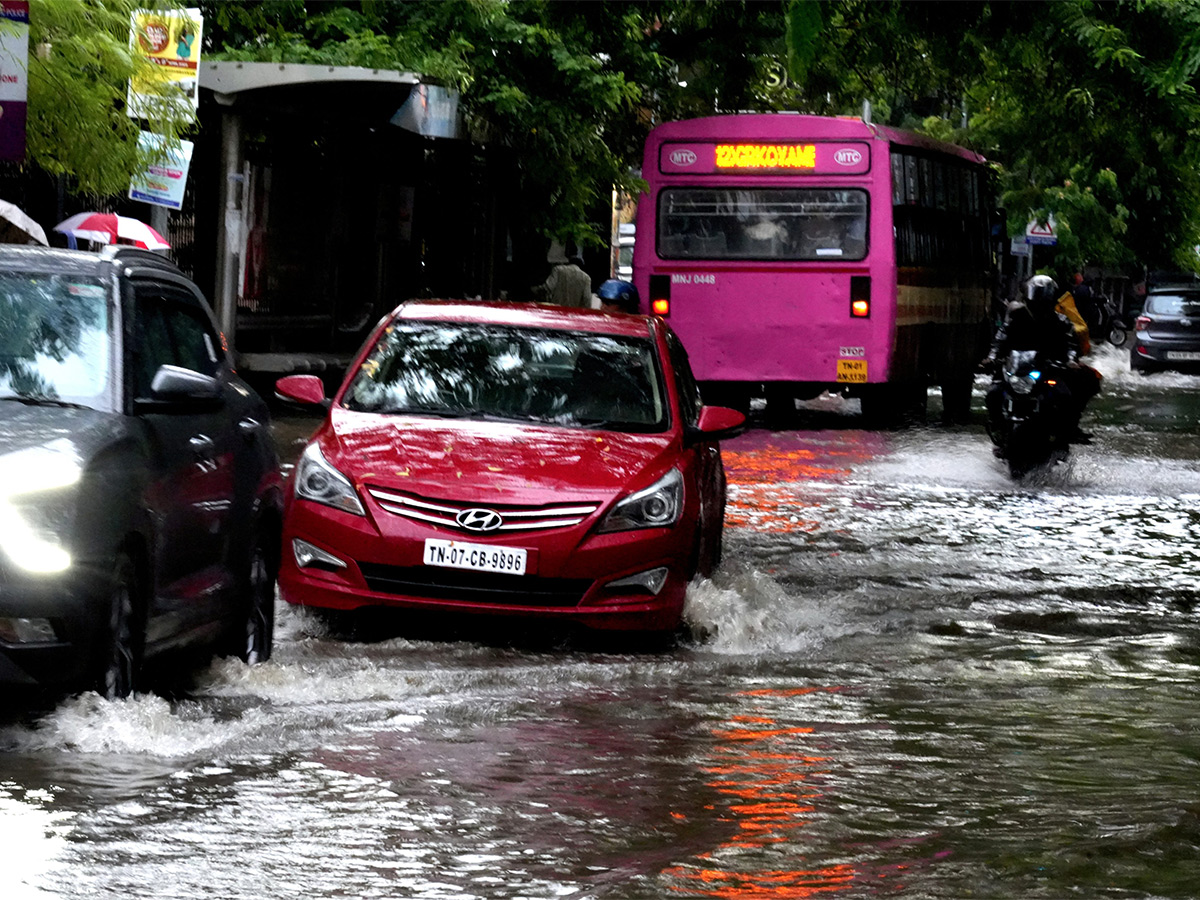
[(1174, 304), (568, 378), (54, 339)]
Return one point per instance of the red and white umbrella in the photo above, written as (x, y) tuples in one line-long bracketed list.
[(109, 228)]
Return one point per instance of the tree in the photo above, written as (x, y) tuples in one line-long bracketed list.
[(536, 78), (1088, 109), (80, 63)]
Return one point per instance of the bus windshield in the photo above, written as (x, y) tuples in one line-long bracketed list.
[(796, 224)]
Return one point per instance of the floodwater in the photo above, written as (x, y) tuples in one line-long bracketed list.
[(912, 678)]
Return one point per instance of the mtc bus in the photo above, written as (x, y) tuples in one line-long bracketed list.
[(796, 254)]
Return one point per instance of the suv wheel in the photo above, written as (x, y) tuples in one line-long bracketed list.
[(121, 661)]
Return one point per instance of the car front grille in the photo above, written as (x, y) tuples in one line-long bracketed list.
[(435, 583), (513, 518)]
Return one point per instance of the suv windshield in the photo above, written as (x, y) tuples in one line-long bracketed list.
[(1174, 304), (523, 374), (54, 338)]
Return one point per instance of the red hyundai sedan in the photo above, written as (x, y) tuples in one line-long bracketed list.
[(506, 459)]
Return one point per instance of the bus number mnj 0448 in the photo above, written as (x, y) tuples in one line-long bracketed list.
[(476, 557)]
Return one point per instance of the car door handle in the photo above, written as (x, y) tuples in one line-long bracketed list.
[(249, 427), (202, 447)]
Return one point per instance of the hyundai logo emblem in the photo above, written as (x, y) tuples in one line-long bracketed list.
[(478, 519)]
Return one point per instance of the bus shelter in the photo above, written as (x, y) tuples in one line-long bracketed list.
[(324, 196)]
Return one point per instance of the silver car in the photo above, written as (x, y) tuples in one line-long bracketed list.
[(1167, 333)]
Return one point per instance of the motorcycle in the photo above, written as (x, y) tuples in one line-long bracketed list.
[(1030, 421)]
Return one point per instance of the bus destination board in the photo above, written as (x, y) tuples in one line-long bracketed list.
[(765, 158)]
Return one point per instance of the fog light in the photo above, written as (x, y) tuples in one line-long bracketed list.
[(310, 557), (26, 631), (651, 581)]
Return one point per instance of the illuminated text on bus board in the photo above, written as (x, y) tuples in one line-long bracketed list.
[(766, 156)]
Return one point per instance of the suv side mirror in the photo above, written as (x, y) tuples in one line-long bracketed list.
[(177, 383)]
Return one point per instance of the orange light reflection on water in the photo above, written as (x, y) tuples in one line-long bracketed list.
[(763, 479), (770, 802)]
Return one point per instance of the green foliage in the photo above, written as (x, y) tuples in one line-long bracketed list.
[(536, 76), (80, 63), (1087, 109)]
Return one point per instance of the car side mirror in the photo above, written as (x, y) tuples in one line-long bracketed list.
[(306, 389), (176, 389), (178, 383), (716, 423)]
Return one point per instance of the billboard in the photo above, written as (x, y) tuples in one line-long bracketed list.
[(14, 77), (170, 40)]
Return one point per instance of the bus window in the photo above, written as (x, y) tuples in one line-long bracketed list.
[(762, 223)]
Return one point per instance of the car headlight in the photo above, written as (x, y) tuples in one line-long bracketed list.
[(318, 481), (657, 506), (32, 507)]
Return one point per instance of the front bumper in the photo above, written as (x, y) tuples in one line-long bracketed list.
[(61, 656), (570, 580)]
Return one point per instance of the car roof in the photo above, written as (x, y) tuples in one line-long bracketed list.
[(20, 256), (527, 315), (1174, 289), (83, 262)]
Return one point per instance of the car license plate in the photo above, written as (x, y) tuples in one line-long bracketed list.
[(476, 557), (1183, 356)]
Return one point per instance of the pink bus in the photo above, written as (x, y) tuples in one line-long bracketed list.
[(797, 254)]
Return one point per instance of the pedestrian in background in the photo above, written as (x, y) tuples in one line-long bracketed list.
[(569, 284)]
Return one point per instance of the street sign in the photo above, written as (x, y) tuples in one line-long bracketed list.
[(1020, 248), (1041, 232)]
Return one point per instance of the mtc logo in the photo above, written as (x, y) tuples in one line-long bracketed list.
[(847, 157), (683, 158)]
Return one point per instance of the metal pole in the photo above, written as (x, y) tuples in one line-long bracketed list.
[(229, 225)]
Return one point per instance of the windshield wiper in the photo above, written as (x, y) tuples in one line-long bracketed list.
[(43, 401)]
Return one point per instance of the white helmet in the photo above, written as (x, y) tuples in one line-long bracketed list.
[(1041, 291)]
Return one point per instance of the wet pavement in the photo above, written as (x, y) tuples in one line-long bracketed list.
[(911, 677)]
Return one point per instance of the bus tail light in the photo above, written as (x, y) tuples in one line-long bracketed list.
[(660, 295), (860, 296)]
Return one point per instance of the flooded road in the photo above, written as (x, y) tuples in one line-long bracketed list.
[(911, 678)]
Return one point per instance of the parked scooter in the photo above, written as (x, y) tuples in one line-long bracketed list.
[(1111, 324), (1032, 421)]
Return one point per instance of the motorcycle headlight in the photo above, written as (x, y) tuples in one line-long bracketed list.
[(658, 506), (318, 481)]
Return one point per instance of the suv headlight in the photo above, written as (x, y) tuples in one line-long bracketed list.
[(318, 481), (35, 505), (658, 506)]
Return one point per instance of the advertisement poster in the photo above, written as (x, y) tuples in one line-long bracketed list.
[(14, 77), (171, 41), (163, 184)]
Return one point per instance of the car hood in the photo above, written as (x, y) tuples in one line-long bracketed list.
[(504, 462), (24, 426)]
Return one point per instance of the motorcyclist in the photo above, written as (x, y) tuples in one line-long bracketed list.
[(1036, 323)]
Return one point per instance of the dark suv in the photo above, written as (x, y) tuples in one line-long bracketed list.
[(1167, 333), (139, 481)]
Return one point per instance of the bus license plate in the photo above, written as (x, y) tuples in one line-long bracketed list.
[(476, 557), (853, 371), (1183, 356)]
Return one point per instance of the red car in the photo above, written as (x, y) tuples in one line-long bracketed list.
[(509, 459)]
